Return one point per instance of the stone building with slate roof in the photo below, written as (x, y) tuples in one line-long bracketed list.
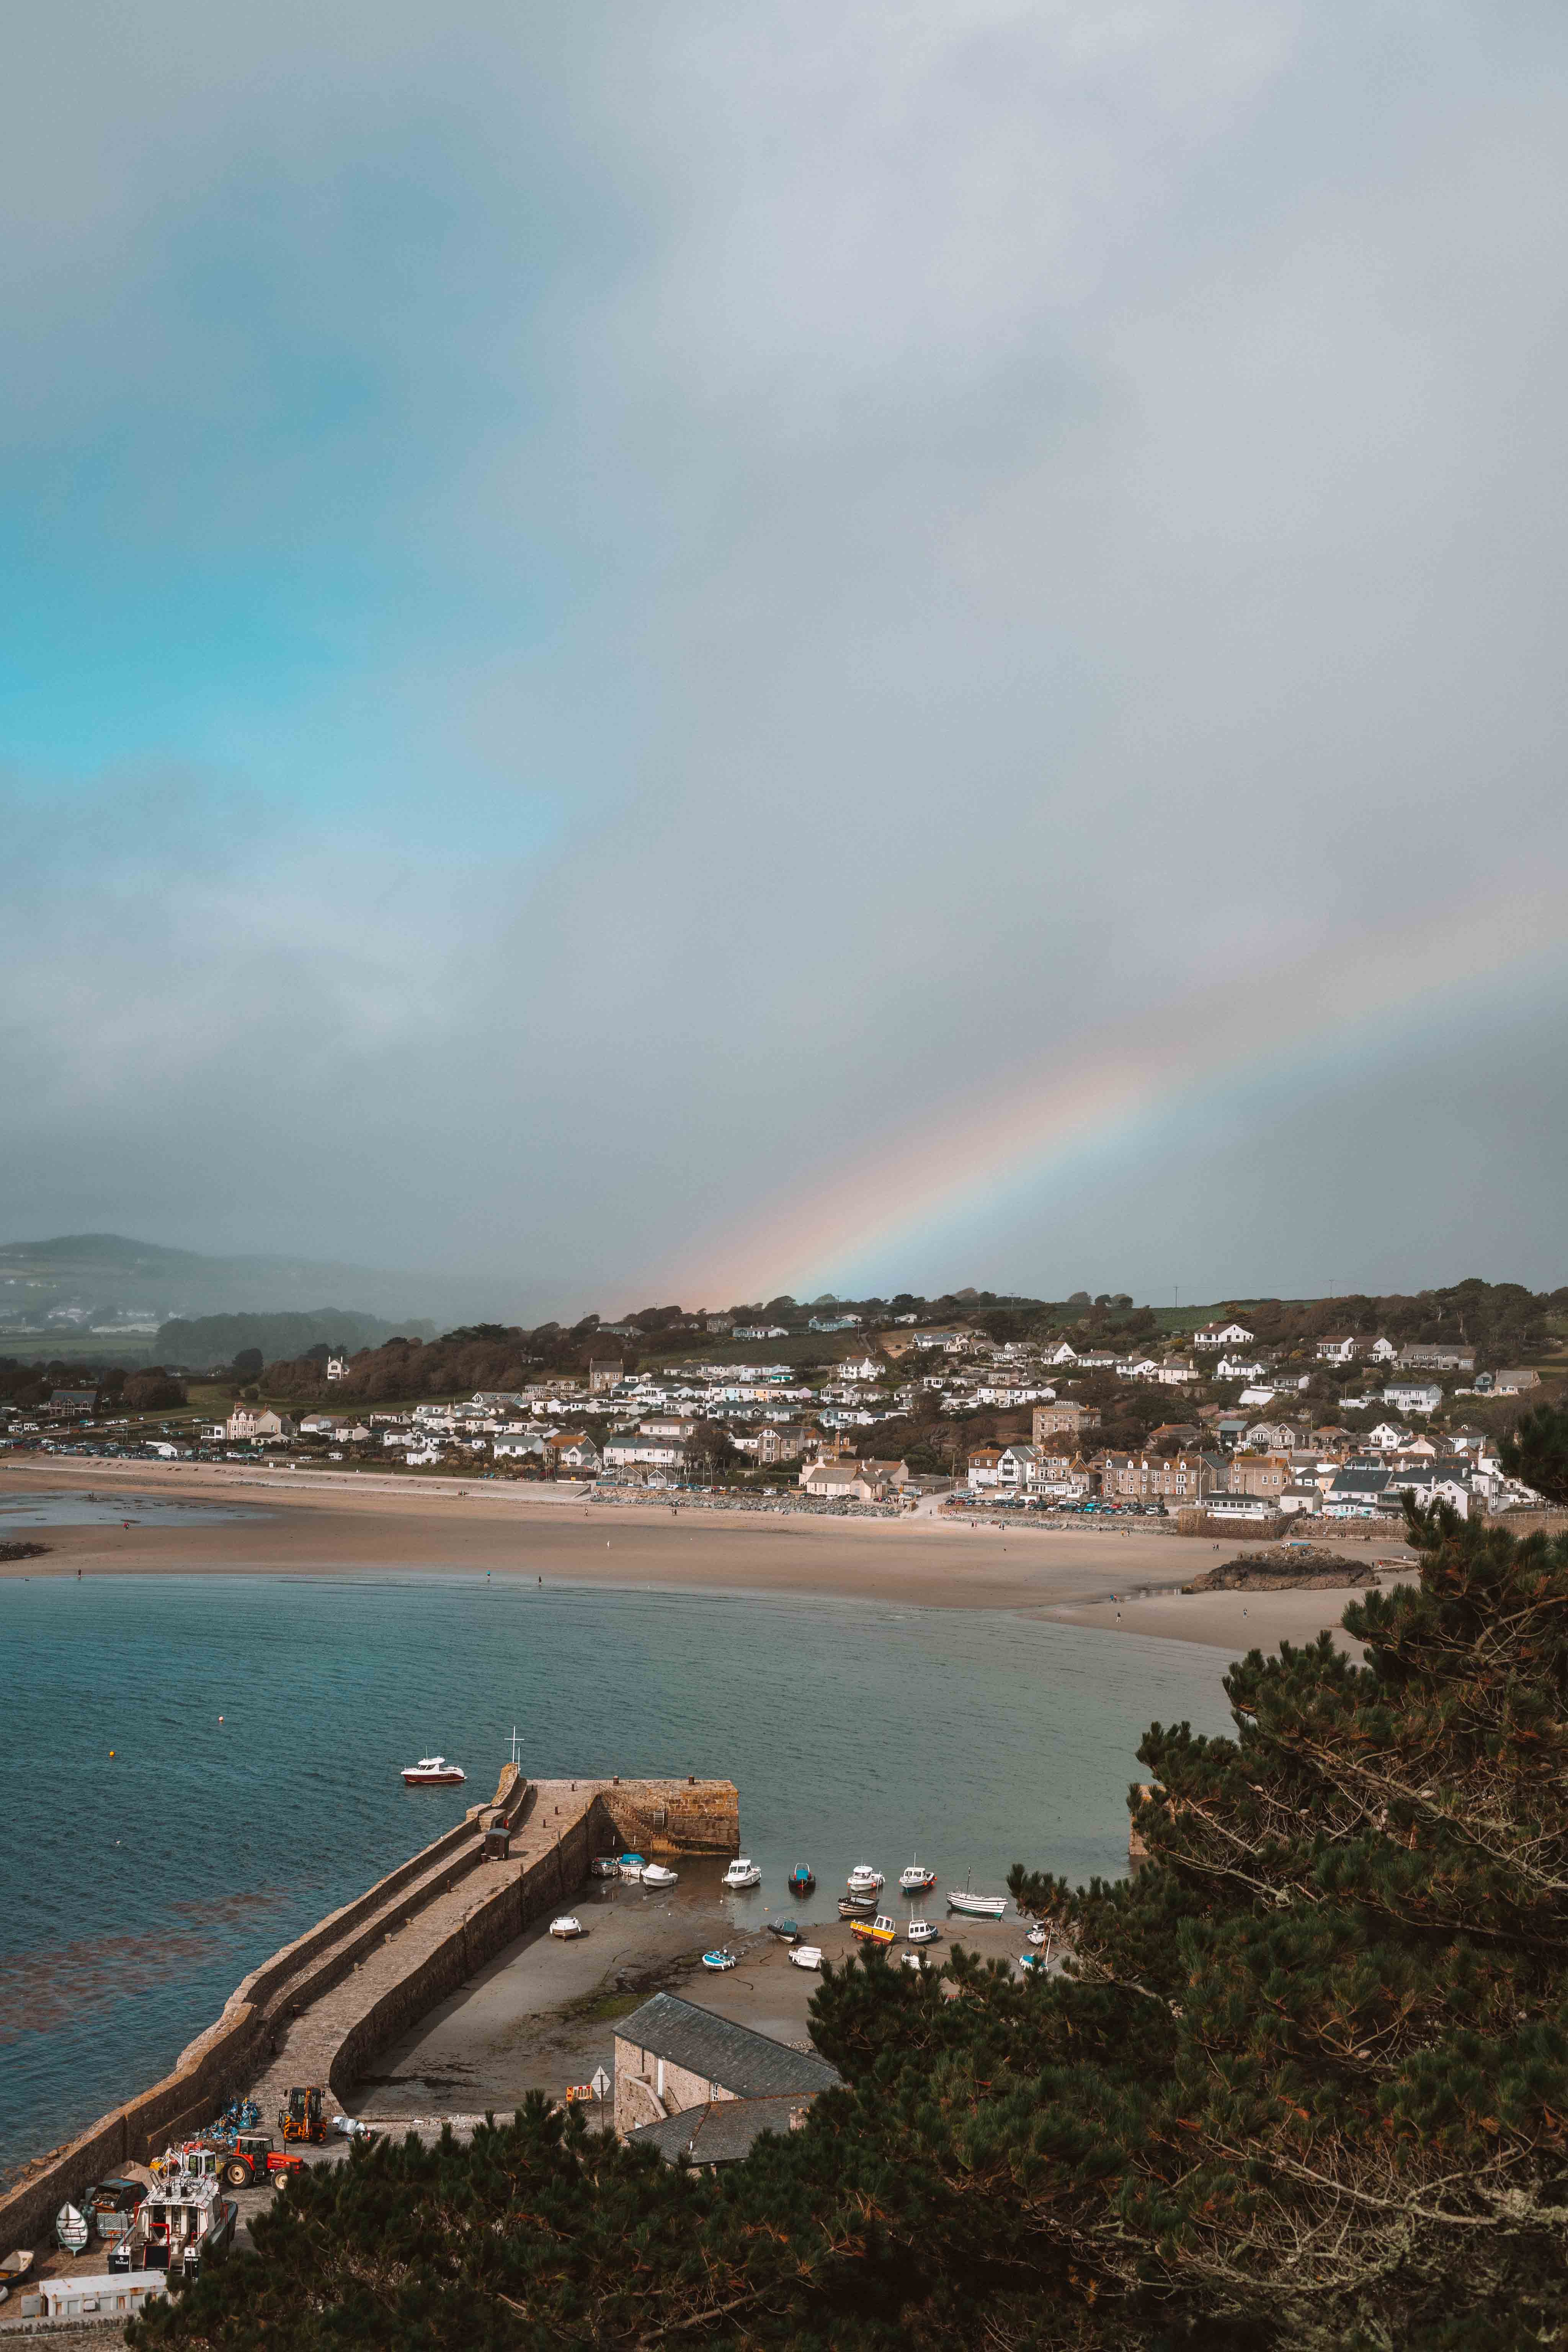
[(671, 2055)]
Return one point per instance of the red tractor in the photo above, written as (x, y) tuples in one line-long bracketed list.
[(253, 2157)]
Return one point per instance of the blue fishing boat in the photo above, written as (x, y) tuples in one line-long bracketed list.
[(801, 1878)]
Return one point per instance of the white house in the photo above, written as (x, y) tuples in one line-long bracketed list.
[(1387, 1437), (1413, 1396), (1382, 1349), (1339, 1348), (1224, 1334), (636, 1452), (1240, 1368), (1064, 1352)]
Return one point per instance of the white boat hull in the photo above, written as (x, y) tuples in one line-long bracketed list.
[(978, 1907)]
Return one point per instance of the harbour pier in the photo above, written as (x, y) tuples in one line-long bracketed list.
[(319, 2010)]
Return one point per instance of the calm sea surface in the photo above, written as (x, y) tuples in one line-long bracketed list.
[(138, 1888)]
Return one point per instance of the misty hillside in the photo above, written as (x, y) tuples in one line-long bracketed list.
[(84, 1282)]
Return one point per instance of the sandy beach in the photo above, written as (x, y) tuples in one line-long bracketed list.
[(1119, 1580)]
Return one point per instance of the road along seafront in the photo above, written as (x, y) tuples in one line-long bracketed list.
[(321, 2007)]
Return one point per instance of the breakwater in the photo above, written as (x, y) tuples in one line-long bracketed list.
[(319, 2008)]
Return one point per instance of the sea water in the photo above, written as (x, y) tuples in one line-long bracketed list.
[(196, 1769)]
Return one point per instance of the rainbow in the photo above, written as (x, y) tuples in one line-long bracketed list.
[(1097, 1093)]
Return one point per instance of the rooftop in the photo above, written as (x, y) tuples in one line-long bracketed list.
[(750, 2064), (722, 2131)]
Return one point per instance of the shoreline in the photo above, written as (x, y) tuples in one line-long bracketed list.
[(1122, 1580)]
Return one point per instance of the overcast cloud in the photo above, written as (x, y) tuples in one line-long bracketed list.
[(609, 608)]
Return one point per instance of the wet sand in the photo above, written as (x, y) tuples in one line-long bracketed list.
[(1123, 1581), (543, 2014)]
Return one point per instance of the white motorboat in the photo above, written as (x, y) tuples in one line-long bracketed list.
[(922, 1931), (656, 1875), (182, 2221), (433, 1772), (806, 1956), (743, 1872), (976, 1906), (864, 1880), (567, 1927), (913, 1959), (1037, 1934), (917, 1879), (631, 1865)]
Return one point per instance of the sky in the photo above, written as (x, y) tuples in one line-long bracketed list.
[(679, 653)]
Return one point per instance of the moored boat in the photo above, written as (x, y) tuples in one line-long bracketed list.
[(807, 1956), (786, 1930), (631, 1865), (655, 1874), (879, 1931), (720, 1960), (433, 1772), (922, 1931), (801, 1878), (857, 1906), (567, 1928), (864, 1880), (976, 1906), (913, 1959), (916, 1878), (605, 1865), (1037, 1934), (743, 1872)]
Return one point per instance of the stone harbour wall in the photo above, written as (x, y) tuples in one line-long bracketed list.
[(368, 1971)]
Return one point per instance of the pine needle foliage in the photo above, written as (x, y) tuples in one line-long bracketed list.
[(1301, 2086)]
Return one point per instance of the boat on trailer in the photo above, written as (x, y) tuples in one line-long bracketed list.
[(182, 2221)]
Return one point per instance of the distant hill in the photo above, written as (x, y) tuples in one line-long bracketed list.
[(84, 1280), (219, 1338)]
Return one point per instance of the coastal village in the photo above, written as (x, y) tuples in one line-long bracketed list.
[(1245, 1418)]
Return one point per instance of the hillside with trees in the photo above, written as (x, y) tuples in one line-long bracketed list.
[(1303, 2086)]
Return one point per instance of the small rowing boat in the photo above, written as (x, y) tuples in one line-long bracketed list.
[(720, 1960)]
